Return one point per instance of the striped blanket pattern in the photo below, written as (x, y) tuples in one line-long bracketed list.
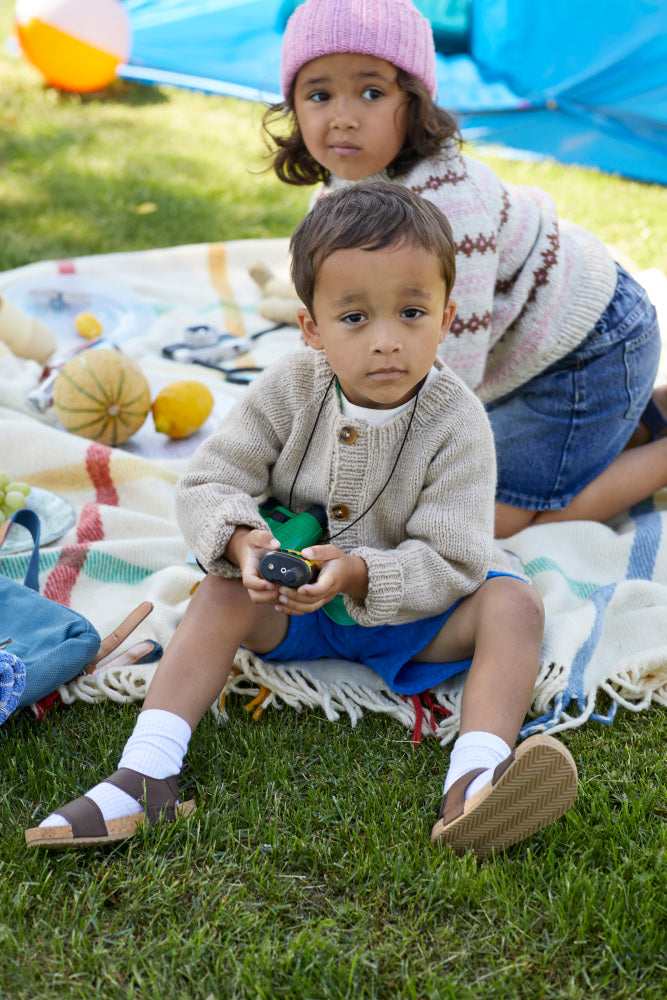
[(604, 586)]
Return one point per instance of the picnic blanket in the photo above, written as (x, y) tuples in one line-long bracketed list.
[(604, 586)]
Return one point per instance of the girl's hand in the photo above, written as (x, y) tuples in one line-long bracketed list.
[(339, 574), (246, 548)]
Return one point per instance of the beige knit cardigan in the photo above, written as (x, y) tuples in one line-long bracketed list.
[(427, 541)]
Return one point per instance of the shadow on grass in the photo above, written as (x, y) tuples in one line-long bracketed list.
[(118, 91), (74, 182)]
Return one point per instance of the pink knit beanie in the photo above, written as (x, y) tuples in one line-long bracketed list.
[(387, 29)]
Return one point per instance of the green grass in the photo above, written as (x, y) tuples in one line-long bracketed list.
[(74, 170), (307, 872)]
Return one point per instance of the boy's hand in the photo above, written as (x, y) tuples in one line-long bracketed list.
[(246, 548), (339, 574)]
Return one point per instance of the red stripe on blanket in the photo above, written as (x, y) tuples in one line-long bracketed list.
[(72, 558), (66, 267), (89, 529), (64, 574), (98, 467)]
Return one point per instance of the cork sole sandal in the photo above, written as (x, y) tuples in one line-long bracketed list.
[(530, 789), (86, 824)]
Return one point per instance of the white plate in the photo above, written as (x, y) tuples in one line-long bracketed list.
[(55, 514), (56, 300)]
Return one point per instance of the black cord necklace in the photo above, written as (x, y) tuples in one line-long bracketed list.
[(393, 468)]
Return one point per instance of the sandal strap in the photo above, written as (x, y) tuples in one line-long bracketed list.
[(157, 795), (454, 798), (85, 817), (453, 803), (501, 768)]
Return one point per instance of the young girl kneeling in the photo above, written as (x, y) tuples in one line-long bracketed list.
[(559, 342)]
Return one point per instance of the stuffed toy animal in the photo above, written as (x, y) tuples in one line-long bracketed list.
[(24, 335), (279, 301)]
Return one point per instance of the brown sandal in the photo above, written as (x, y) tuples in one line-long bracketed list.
[(530, 789), (86, 824)]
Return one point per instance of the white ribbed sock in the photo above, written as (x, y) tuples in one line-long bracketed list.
[(473, 750), (158, 744), (156, 748)]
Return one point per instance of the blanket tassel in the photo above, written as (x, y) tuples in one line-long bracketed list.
[(431, 704)]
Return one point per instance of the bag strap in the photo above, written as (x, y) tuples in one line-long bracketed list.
[(144, 651), (28, 519), (120, 634)]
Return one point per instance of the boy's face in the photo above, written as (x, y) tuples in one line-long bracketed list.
[(351, 112), (381, 315)]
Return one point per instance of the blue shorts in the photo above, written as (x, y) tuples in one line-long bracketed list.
[(388, 649), (560, 430)]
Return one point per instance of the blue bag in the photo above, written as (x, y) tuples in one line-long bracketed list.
[(51, 642)]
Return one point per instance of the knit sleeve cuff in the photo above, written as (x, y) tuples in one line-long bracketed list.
[(385, 589), (213, 540)]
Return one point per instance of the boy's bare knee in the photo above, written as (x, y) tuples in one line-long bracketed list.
[(531, 608), (219, 591), (515, 601), (216, 585)]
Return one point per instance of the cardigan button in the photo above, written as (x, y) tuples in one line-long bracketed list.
[(348, 435), (340, 512)]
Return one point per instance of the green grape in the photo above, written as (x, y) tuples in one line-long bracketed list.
[(12, 494), (3, 517), (19, 486), (14, 500)]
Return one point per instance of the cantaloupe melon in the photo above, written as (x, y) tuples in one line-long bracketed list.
[(102, 394)]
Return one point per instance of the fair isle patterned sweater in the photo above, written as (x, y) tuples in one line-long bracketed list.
[(427, 541), (529, 287)]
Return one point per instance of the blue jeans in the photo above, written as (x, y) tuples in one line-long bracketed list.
[(559, 431)]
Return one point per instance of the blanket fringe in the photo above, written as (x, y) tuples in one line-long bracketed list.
[(276, 685), (633, 690)]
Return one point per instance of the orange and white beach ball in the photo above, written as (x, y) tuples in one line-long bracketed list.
[(76, 44)]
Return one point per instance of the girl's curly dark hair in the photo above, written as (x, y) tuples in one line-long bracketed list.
[(428, 128)]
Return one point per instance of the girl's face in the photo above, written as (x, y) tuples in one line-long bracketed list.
[(351, 113)]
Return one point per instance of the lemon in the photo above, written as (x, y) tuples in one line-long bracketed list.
[(181, 408), (88, 325)]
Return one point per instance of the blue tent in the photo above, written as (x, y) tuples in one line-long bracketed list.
[(584, 81)]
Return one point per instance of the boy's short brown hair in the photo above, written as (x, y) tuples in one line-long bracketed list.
[(368, 216)]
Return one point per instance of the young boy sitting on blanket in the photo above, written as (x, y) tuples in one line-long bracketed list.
[(367, 422)]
